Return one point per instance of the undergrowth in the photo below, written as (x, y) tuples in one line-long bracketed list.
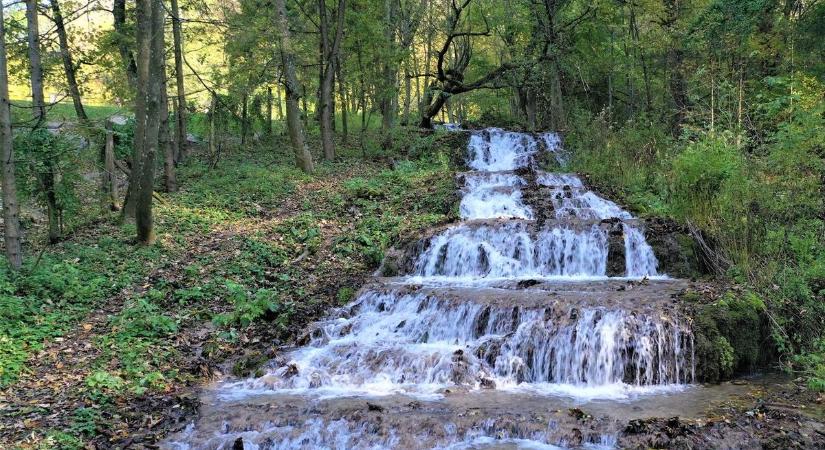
[(757, 197), (280, 247)]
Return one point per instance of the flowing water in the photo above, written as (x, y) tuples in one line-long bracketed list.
[(505, 319)]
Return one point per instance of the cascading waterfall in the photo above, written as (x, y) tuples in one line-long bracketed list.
[(574, 244), (458, 320)]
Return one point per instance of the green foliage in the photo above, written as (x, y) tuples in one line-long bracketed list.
[(727, 357), (103, 382), (48, 164), (813, 363), (45, 301), (701, 174), (238, 189), (760, 204), (252, 306), (413, 196)]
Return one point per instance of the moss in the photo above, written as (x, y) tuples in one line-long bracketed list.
[(249, 365), (727, 356), (732, 335)]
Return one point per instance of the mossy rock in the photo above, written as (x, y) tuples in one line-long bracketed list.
[(731, 336), (250, 364)]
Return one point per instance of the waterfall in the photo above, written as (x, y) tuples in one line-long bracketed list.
[(464, 318)]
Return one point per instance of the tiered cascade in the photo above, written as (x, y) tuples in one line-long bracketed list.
[(512, 299)]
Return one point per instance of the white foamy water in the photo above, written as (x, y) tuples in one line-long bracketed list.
[(395, 342), (518, 248), (512, 249), (398, 340)]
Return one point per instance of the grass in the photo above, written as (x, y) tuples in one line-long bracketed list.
[(21, 111)]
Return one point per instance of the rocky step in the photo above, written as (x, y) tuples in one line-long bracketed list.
[(485, 419), (477, 336), (555, 246), (658, 296)]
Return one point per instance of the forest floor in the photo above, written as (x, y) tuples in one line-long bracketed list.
[(105, 345)]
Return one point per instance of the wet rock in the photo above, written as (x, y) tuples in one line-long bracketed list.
[(291, 370), (315, 380), (487, 383), (249, 365), (676, 250), (481, 322), (576, 438), (579, 414), (374, 407), (238, 444), (616, 262), (524, 284), (460, 369)]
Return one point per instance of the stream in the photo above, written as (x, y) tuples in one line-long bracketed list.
[(506, 328)]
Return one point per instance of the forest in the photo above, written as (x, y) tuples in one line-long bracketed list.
[(197, 194)]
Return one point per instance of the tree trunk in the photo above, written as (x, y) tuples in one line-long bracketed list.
[(182, 135), (68, 65), (432, 109), (126, 57), (293, 92), (407, 96), (170, 179), (268, 126), (328, 63), (11, 207), (675, 59), (278, 103), (148, 112), (213, 146), (389, 91), (108, 184), (46, 175), (35, 65), (342, 92), (143, 34), (244, 118)]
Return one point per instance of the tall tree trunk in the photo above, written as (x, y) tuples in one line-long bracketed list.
[(675, 59), (634, 29), (126, 57), (170, 179), (407, 95), (68, 65), (278, 103), (293, 92), (268, 126), (244, 118), (11, 207), (148, 111), (342, 92), (142, 67), (46, 175), (109, 180), (328, 62), (389, 92), (35, 65), (182, 138)]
